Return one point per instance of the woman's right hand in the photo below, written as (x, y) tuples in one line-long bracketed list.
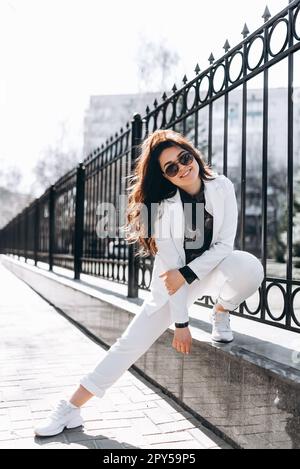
[(182, 340)]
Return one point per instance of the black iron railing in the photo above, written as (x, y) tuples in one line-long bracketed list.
[(60, 227)]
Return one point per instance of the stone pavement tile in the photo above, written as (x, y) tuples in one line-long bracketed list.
[(90, 413), (175, 437), (128, 437), (81, 445), (22, 433), (5, 435), (136, 395), (40, 415), (144, 426), (131, 414), (22, 424), (169, 405), (12, 395), (9, 404), (28, 443), (207, 438), (184, 414), (80, 435), (61, 438), (159, 416), (20, 413), (119, 398), (137, 406), (146, 391), (190, 444), (176, 426), (107, 424), (31, 443), (4, 423), (118, 414), (105, 405), (108, 444), (8, 444)]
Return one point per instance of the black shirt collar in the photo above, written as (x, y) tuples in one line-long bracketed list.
[(185, 197)]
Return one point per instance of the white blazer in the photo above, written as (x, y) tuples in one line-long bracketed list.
[(220, 202)]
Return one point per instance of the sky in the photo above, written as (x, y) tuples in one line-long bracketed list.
[(55, 54)]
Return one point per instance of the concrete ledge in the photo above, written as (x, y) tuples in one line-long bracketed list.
[(248, 392)]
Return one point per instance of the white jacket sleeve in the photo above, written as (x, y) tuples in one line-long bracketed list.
[(224, 244), (171, 260)]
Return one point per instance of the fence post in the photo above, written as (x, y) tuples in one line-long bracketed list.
[(26, 234), (51, 225), (79, 221), (19, 237), (133, 260), (36, 231)]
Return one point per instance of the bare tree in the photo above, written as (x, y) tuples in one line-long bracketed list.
[(12, 200), (10, 178), (155, 62), (55, 161), (52, 165)]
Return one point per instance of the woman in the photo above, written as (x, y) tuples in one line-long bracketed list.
[(192, 259)]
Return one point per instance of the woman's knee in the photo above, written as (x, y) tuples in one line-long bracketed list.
[(142, 332), (244, 265)]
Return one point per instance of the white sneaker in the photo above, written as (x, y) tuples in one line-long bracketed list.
[(65, 415), (221, 327)]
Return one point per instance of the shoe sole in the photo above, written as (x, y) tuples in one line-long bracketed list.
[(58, 433), (222, 341), (72, 428), (49, 435)]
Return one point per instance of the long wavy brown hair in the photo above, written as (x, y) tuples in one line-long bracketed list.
[(147, 185)]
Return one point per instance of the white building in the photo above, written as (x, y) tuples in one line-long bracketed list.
[(107, 114)]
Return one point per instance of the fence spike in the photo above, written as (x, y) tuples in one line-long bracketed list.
[(185, 80), (164, 96), (174, 89), (267, 15), (245, 31), (211, 58), (226, 46), (197, 69)]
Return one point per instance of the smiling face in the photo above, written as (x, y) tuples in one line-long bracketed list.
[(187, 176)]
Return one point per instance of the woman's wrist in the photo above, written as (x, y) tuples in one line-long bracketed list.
[(188, 274), (181, 325)]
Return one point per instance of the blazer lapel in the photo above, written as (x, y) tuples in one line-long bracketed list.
[(214, 204)]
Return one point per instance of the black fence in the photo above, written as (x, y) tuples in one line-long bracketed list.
[(60, 227)]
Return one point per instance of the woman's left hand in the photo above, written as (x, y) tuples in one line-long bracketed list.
[(173, 280)]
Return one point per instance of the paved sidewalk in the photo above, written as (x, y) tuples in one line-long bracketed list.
[(42, 357)]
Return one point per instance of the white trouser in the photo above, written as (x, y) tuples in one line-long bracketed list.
[(236, 278)]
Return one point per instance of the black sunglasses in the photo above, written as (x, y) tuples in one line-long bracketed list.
[(185, 159)]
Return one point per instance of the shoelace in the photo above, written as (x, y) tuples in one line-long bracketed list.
[(61, 410), (219, 319)]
